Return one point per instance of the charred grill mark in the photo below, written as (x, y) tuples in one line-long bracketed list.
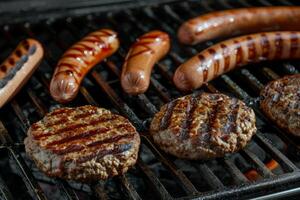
[(75, 126), (251, 48), (294, 44), (85, 113), (113, 140), (186, 125), (226, 57), (57, 122), (278, 45), (265, 45), (99, 154), (25, 44), (83, 47), (216, 61), (74, 69), (87, 134), (3, 68), (201, 58), (60, 111), (13, 65), (18, 53), (145, 44), (238, 53), (11, 61), (212, 118), (204, 68), (68, 73), (166, 119), (69, 149), (78, 136), (230, 127)]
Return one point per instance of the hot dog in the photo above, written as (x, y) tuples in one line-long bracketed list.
[(18, 68), (233, 53), (142, 56), (239, 21), (78, 60)]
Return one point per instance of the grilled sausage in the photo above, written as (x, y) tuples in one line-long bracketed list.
[(142, 56), (233, 53), (239, 21), (78, 60), (18, 68)]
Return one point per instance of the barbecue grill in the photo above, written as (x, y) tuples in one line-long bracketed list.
[(266, 169)]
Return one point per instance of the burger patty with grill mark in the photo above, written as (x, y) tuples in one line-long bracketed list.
[(202, 126), (280, 101), (84, 143)]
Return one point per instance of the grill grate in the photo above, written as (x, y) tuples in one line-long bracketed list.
[(155, 174)]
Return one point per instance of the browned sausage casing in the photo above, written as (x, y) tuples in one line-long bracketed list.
[(18, 68), (78, 60), (142, 56), (239, 21), (233, 53)]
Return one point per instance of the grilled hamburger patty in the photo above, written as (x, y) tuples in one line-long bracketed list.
[(202, 126), (280, 101), (84, 143)]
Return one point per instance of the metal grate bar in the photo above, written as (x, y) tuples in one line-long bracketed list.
[(170, 12), (252, 80), (206, 6), (245, 3), (100, 190), (141, 98), (25, 122), (285, 2), (41, 108), (179, 175), (236, 174), (270, 74), (235, 88), (30, 182), (156, 184), (212, 180), (225, 4), (258, 165), (265, 3), (122, 106), (5, 138), (88, 96), (65, 190), (290, 69), (4, 190), (275, 153), (129, 187)]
